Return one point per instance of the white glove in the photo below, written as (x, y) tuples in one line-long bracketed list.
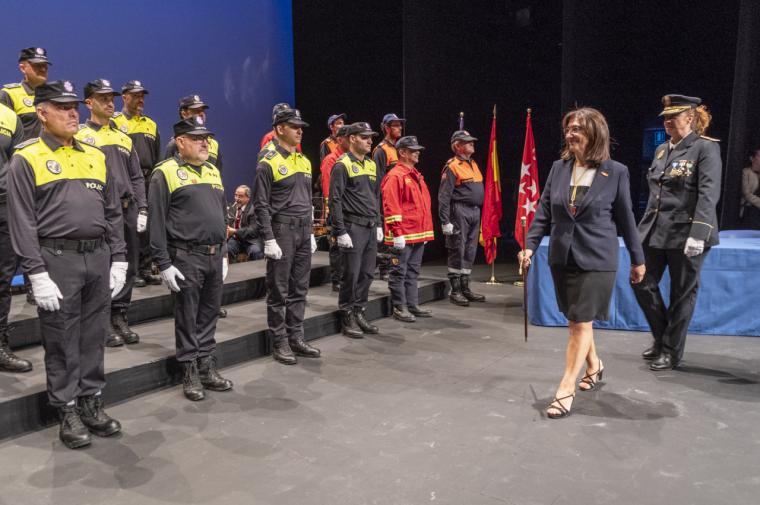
[(379, 234), (345, 241), (694, 247), (399, 242), (46, 293), (142, 222), (448, 229), (118, 277), (272, 250), (313, 244), (225, 267), (170, 276)]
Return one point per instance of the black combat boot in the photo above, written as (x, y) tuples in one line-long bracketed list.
[(402, 314), (283, 353), (120, 324), (9, 362), (348, 322), (210, 378), (456, 297), (73, 432), (114, 339), (222, 312), (95, 418), (301, 348), (150, 278), (139, 282), (361, 320), (418, 311), (473, 297), (191, 381)]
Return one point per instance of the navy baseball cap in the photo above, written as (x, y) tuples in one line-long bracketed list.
[(133, 87), (463, 136), (191, 126), (34, 55), (290, 116), (99, 87), (392, 117), (334, 118), (409, 142), (55, 91), (192, 102)]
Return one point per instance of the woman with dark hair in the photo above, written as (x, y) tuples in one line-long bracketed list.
[(586, 198), (679, 225)]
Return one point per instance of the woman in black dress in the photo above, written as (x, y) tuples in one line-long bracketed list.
[(585, 200)]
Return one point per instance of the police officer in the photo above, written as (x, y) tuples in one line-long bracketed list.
[(190, 106), (679, 225), (11, 131), (33, 63), (121, 160), (356, 218), (188, 241), (460, 198), (330, 144), (282, 200), (266, 141), (325, 168), (65, 222), (147, 142)]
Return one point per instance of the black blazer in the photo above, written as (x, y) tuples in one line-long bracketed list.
[(248, 229), (591, 233)]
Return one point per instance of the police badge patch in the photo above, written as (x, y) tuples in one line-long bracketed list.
[(28, 101), (355, 169), (283, 170), (53, 167), (181, 174), (89, 139), (124, 128)]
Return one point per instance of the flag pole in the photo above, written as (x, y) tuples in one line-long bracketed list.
[(524, 272), (521, 283), (493, 281)]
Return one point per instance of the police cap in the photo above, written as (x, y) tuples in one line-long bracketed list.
[(392, 117), (462, 136), (289, 116), (100, 87), (409, 142), (55, 91), (34, 55), (360, 129), (342, 131), (675, 104), (335, 117), (192, 102), (191, 126), (278, 107), (133, 87)]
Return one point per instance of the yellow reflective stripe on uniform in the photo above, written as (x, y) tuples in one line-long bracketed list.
[(142, 124), (178, 177), (23, 102), (106, 136), (394, 218), (356, 169), (7, 121), (413, 236), (65, 163), (283, 167)]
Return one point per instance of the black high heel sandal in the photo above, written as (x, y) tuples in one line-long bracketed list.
[(563, 412), (589, 380)]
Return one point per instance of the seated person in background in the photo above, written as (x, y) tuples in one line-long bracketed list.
[(242, 234), (750, 208)]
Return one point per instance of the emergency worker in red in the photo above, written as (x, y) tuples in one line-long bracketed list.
[(330, 144), (408, 225)]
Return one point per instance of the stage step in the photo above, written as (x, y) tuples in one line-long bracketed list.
[(150, 365)]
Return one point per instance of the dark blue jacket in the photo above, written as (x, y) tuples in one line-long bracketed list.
[(592, 232)]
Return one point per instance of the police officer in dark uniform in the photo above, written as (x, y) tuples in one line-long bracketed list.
[(460, 198), (188, 241), (266, 140), (190, 106), (356, 219), (65, 223), (121, 160), (282, 199), (11, 131), (147, 142), (679, 225), (33, 63)]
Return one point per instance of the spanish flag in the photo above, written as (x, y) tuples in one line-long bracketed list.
[(490, 217)]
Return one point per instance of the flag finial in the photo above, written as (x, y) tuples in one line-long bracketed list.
[(529, 111), (494, 110)]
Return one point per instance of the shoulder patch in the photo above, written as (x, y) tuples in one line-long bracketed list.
[(709, 138), (27, 143), (270, 154), (163, 162), (82, 126), (12, 85)]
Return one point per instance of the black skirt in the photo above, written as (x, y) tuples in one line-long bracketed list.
[(583, 295)]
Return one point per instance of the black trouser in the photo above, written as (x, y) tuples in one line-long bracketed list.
[(288, 280), (359, 265), (402, 279), (73, 336), (462, 245), (196, 306), (670, 324), (122, 300), (145, 259), (336, 261), (8, 264)]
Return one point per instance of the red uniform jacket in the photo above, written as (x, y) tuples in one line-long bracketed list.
[(406, 205), (326, 167)]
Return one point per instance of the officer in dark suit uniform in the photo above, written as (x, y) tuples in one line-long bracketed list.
[(679, 225)]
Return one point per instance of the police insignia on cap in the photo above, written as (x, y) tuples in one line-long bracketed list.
[(39, 50), (67, 86), (124, 128), (196, 98), (283, 170), (137, 83), (106, 83), (666, 101), (181, 174), (199, 120), (28, 101), (53, 167)]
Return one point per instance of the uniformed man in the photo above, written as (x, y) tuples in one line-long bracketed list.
[(65, 223), (266, 141), (11, 131), (33, 63), (679, 225), (122, 162), (282, 199), (408, 225), (356, 220), (460, 198), (188, 241), (190, 106), (325, 168), (330, 144), (147, 142)]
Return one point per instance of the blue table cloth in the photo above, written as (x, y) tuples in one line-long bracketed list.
[(728, 302)]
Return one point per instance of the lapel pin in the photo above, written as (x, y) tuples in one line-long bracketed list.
[(605, 173), (660, 154)]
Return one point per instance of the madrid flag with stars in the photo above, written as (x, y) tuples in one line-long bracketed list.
[(529, 191)]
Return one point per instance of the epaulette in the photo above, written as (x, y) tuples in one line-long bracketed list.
[(709, 138), (117, 114), (12, 85), (162, 162), (26, 143), (82, 126), (271, 153)]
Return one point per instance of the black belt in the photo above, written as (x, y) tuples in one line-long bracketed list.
[(207, 249), (297, 221), (78, 245), (360, 220)]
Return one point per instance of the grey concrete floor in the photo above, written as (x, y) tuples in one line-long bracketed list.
[(446, 410)]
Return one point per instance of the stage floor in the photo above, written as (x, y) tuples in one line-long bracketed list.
[(447, 410)]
